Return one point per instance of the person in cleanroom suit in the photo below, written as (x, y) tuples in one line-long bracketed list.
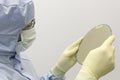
[(17, 33)]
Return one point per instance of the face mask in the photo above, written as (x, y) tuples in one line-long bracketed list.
[(27, 36)]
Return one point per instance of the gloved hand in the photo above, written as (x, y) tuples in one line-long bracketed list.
[(99, 61), (67, 60)]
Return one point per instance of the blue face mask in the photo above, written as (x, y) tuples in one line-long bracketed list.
[(14, 16)]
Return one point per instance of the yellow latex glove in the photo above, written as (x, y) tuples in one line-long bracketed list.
[(99, 61), (67, 60)]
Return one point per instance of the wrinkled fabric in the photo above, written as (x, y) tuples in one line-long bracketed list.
[(14, 16), (23, 71)]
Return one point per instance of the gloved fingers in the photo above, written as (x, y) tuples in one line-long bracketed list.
[(71, 52), (76, 43), (109, 41), (111, 54), (113, 51), (113, 59)]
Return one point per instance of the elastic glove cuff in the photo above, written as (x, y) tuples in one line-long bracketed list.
[(56, 71)]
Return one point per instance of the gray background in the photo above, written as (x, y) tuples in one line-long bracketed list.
[(61, 22)]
